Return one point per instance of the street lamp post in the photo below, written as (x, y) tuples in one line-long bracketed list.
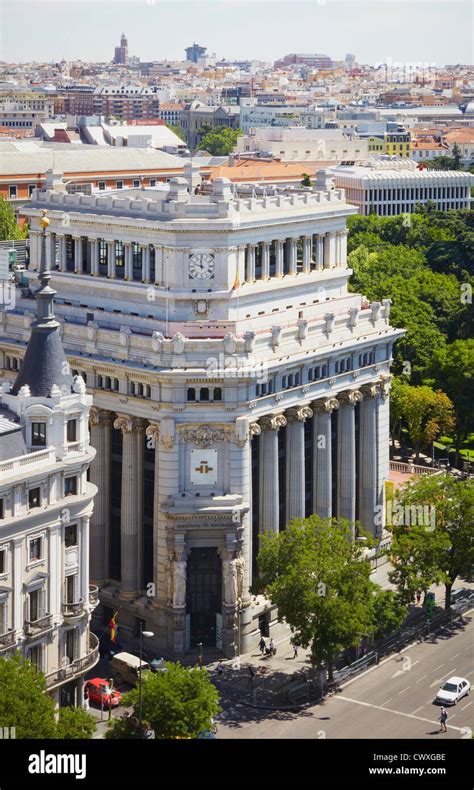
[(148, 635), (200, 654)]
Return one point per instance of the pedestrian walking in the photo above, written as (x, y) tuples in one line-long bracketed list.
[(295, 650), (272, 647), (86, 699), (418, 596), (251, 675), (262, 645), (220, 669), (443, 717)]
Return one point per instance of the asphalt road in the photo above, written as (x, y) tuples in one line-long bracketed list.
[(392, 700)]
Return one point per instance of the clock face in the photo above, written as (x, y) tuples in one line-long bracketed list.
[(201, 266)]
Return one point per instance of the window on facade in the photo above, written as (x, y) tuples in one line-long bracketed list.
[(34, 497), (136, 183), (153, 182), (217, 393), (31, 188), (101, 185), (12, 192), (36, 549), (70, 486), (71, 430), (204, 393), (191, 394), (70, 535), (119, 184), (3, 561), (38, 434), (2, 508), (71, 588), (34, 655)]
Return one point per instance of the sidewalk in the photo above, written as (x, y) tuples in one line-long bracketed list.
[(275, 676)]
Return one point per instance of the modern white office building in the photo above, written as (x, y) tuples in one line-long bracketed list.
[(46, 504), (394, 186), (298, 144), (237, 385)]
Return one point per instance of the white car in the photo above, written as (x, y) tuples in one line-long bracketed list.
[(453, 690)]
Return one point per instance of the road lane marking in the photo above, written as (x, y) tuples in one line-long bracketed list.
[(416, 711), (438, 680), (405, 689), (390, 710), (455, 655), (387, 700), (466, 706), (438, 667), (422, 678)]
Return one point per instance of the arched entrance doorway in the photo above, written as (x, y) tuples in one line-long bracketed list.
[(203, 595)]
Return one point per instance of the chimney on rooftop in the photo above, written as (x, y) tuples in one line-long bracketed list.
[(54, 181), (192, 175)]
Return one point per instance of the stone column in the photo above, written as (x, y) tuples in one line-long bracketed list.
[(35, 250), (328, 256), (306, 254), (100, 425), (62, 253), (77, 254), (337, 248), (322, 456), (265, 261), (268, 473), (84, 567), (346, 458), (111, 259), (368, 457), (17, 566), (295, 472), (250, 276), (241, 264), (51, 251), (291, 256), (343, 259), (146, 263), (95, 257), (279, 258), (127, 245), (319, 251), (130, 503)]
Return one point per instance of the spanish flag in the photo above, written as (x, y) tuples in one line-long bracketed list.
[(236, 281), (113, 627)]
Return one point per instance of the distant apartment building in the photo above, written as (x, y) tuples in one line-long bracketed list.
[(169, 112), (121, 52), (195, 115), (315, 61), (124, 102), (390, 187), (299, 144), (74, 100), (24, 110), (194, 52), (256, 115)]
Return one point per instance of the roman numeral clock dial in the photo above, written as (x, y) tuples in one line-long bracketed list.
[(201, 266)]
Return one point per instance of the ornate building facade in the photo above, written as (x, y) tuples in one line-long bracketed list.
[(46, 504), (237, 385)]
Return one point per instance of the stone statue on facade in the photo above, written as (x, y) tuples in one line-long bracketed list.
[(179, 582)]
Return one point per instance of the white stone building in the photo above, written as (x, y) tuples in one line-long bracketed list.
[(298, 144), (237, 385), (391, 187), (46, 504)]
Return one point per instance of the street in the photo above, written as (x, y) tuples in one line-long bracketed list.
[(392, 700)]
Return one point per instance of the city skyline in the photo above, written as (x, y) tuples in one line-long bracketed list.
[(62, 31)]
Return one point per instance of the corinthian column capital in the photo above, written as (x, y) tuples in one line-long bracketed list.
[(371, 390), (272, 422), (128, 424), (325, 405), (350, 397), (153, 430), (99, 416), (299, 414)]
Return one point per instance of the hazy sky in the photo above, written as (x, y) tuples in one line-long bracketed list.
[(431, 31)]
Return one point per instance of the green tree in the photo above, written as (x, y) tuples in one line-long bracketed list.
[(75, 723), (314, 572), (453, 370), (23, 701), (456, 157), (9, 229), (389, 613), (425, 413), (178, 703), (177, 129), (220, 141), (306, 181), (442, 547)]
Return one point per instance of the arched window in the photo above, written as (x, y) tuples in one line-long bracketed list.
[(191, 393), (204, 393), (217, 393)]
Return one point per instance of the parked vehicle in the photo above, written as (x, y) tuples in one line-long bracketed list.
[(453, 690), (100, 692), (125, 667)]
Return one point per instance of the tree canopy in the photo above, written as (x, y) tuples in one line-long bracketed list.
[(315, 574), (219, 141), (177, 703), (9, 228)]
